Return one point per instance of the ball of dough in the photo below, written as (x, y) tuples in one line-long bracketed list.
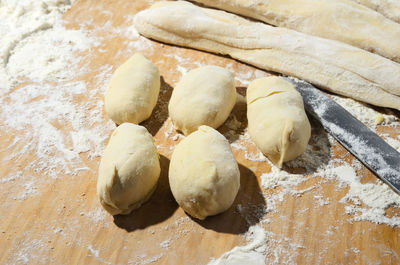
[(277, 122), (203, 173), (133, 91), (129, 169), (204, 96)]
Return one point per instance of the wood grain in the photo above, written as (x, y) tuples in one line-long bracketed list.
[(64, 223)]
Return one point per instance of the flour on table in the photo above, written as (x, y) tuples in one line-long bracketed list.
[(41, 63), (362, 201), (370, 200), (27, 247), (253, 253), (394, 142), (36, 47), (278, 177), (165, 244), (97, 215), (364, 113), (152, 259)]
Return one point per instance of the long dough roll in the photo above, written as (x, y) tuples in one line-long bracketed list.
[(341, 20), (388, 8), (335, 66)]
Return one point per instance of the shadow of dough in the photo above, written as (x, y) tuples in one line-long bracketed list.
[(160, 112), (247, 209), (159, 208), (236, 123), (317, 154)]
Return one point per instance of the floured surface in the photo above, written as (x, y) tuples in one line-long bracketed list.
[(323, 207)]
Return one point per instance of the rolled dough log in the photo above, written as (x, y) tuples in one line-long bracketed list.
[(388, 8), (341, 20), (329, 64), (278, 123), (204, 96), (129, 169), (203, 174)]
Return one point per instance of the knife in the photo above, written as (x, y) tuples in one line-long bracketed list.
[(358, 139)]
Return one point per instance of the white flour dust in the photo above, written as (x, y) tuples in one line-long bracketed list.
[(369, 200), (35, 45), (252, 253), (43, 116), (363, 201), (37, 49), (366, 114)]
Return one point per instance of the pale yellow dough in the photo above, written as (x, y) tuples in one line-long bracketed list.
[(204, 96), (342, 20), (203, 173), (278, 124), (329, 64), (133, 91), (129, 169), (388, 8)]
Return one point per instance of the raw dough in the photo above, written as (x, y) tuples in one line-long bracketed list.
[(133, 91), (129, 169), (388, 8), (204, 96), (278, 124), (335, 66), (203, 173), (341, 20)]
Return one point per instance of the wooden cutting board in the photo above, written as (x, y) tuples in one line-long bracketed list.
[(65, 224)]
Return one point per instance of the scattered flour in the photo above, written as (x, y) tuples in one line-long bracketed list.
[(395, 143), (36, 48), (40, 73), (259, 157), (152, 259), (96, 255), (97, 215), (364, 113), (370, 200), (166, 244), (11, 178), (278, 177), (41, 108), (364, 202), (47, 55), (29, 250), (29, 190), (253, 253), (35, 45), (56, 153)]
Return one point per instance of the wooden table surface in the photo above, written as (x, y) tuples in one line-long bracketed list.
[(63, 223)]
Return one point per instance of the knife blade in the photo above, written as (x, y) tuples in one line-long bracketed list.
[(377, 155)]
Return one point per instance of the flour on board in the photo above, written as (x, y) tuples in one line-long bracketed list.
[(36, 47), (40, 79), (252, 253)]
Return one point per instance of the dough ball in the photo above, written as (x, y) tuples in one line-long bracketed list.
[(203, 173), (133, 91), (277, 122), (204, 96), (129, 169)]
